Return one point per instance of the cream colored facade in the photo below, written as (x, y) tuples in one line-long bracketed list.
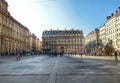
[(14, 37), (33, 42), (67, 41), (118, 28), (110, 31), (110, 28), (90, 37), (30, 48), (38, 46), (103, 34), (92, 42)]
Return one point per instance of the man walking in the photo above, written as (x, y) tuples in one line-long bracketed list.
[(116, 58)]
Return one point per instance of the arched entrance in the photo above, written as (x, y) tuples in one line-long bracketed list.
[(61, 51)]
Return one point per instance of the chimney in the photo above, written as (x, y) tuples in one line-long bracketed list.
[(112, 14), (119, 8), (108, 17)]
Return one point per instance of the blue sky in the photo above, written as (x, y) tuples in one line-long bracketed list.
[(40, 15)]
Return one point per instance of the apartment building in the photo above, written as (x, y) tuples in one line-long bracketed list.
[(14, 37), (92, 42)]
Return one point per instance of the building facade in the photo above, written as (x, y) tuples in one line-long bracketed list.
[(118, 28), (63, 41), (110, 26), (38, 46), (33, 42), (14, 37), (102, 35), (110, 31), (92, 42)]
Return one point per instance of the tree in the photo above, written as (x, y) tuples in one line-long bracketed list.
[(108, 50)]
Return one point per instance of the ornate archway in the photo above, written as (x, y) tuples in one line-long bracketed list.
[(61, 49)]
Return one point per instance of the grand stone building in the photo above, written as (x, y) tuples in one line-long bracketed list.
[(92, 42), (110, 30), (14, 37), (63, 41)]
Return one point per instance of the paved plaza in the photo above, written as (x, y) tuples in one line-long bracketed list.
[(66, 69)]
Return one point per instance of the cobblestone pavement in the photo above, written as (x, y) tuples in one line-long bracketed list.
[(66, 69)]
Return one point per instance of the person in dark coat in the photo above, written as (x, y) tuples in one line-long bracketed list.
[(116, 58)]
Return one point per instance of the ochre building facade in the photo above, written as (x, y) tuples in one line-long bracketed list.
[(35, 44), (14, 37), (63, 41)]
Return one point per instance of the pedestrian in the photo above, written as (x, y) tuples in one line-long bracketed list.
[(18, 57), (116, 58), (81, 55)]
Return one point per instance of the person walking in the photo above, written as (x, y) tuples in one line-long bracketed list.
[(81, 55), (116, 58), (18, 57)]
